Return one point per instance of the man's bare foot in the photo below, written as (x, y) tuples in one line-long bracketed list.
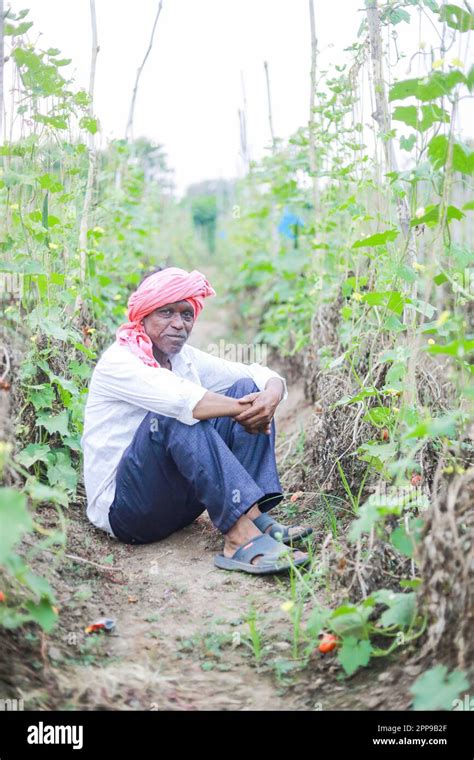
[(243, 531)]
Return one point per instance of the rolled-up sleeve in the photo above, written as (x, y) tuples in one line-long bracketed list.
[(151, 388), (218, 374)]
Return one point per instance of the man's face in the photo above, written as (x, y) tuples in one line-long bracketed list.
[(169, 326)]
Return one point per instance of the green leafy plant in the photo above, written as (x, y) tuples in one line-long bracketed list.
[(436, 689)]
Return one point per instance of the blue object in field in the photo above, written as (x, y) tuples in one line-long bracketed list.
[(222, 234), (287, 223)]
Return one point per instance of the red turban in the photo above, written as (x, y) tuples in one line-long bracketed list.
[(167, 286)]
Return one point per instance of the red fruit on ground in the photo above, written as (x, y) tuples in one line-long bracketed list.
[(327, 643)]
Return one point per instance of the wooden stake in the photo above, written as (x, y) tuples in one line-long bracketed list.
[(129, 128), (84, 226), (269, 100), (312, 100), (2, 58), (382, 112)]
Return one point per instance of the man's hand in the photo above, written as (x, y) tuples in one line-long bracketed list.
[(258, 417)]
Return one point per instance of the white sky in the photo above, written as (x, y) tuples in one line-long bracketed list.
[(190, 89)]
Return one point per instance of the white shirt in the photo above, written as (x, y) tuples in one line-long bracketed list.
[(123, 390)]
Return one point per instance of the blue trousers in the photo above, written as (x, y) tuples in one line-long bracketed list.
[(172, 472)]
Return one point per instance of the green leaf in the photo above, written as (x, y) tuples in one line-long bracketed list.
[(354, 654), (434, 427), (392, 300), (383, 451), (85, 350), (470, 79), (15, 31), (64, 383), (43, 614), (404, 542), (364, 393), (91, 125), (25, 57), (423, 307), (438, 153), (79, 369), (34, 452), (42, 493), (33, 267), (395, 376), (50, 182), (378, 415), (57, 122), (15, 520), (399, 353), (435, 86), (407, 143), (411, 583), (458, 348), (378, 239), (392, 323), (316, 621), (62, 472), (422, 118), (401, 608), (436, 690), (457, 18), (431, 216), (49, 327), (395, 16), (35, 583), (42, 396), (405, 272), (12, 618), (81, 98), (349, 620), (54, 423), (73, 443)]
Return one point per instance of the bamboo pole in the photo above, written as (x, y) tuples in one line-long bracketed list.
[(274, 210), (244, 148), (312, 100), (2, 60), (382, 112), (382, 117), (269, 102), (84, 226), (129, 128)]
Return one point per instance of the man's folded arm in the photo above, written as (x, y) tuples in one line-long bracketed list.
[(159, 390), (154, 389)]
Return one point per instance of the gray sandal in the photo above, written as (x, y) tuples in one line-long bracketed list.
[(278, 531), (271, 551)]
